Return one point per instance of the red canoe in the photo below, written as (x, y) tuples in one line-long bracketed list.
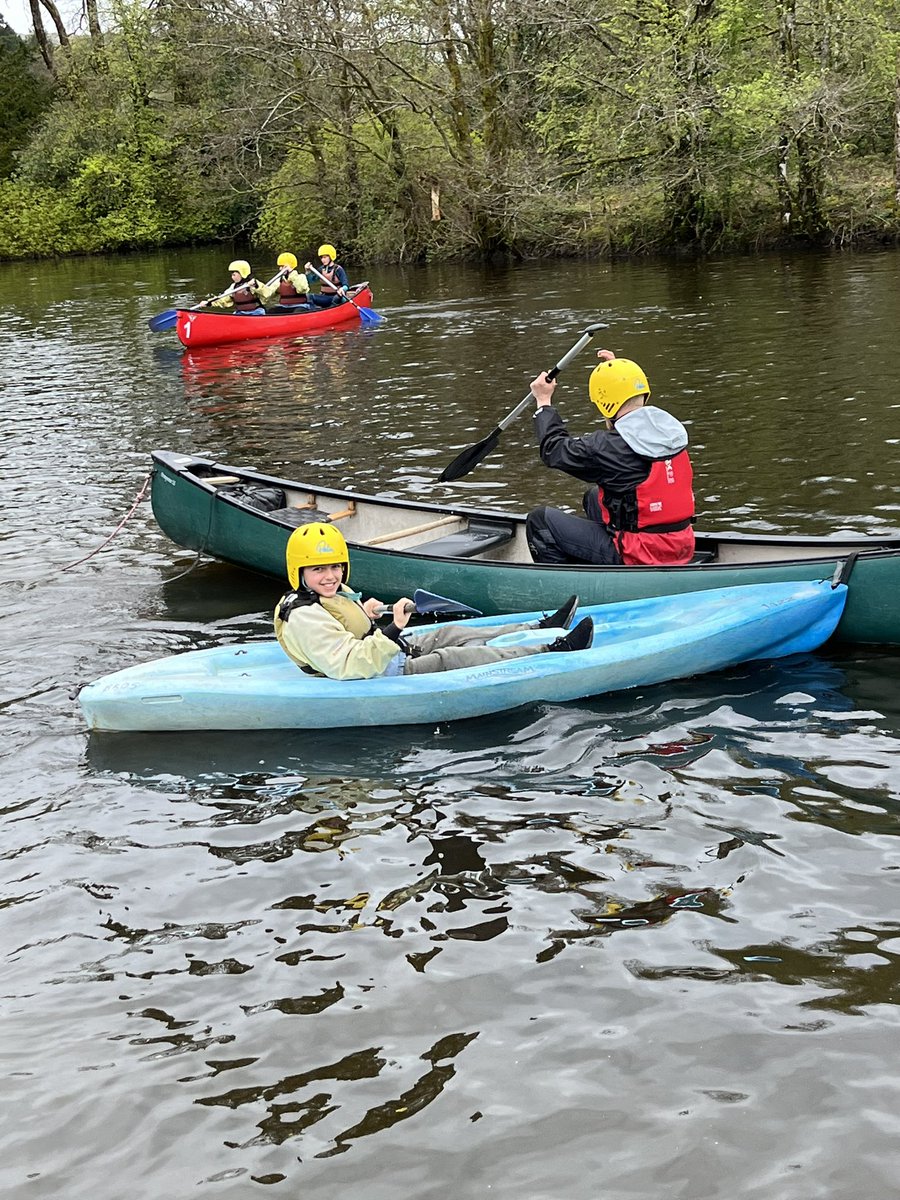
[(207, 327)]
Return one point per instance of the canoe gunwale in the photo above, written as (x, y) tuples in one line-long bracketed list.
[(201, 328), (831, 549), (186, 509)]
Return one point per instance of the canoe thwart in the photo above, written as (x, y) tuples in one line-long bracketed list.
[(411, 530), (311, 504), (220, 480), (473, 538)]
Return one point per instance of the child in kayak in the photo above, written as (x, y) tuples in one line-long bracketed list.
[(322, 626)]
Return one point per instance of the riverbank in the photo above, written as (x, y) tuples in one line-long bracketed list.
[(37, 223)]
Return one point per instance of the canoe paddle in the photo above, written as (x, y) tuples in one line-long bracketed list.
[(168, 318), (472, 455), (369, 315), (428, 602)]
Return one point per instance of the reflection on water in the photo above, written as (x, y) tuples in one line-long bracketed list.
[(597, 947), (417, 895)]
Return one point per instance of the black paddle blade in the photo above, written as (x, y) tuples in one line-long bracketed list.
[(429, 602), (164, 320), (469, 458)]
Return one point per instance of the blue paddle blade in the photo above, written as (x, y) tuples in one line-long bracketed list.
[(164, 320), (369, 315)]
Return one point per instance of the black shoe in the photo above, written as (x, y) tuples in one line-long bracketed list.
[(579, 638), (562, 618)]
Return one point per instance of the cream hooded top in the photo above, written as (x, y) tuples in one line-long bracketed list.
[(332, 638)]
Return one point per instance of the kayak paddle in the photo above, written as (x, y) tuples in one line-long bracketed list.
[(469, 458), (429, 602), (168, 319), (369, 315)]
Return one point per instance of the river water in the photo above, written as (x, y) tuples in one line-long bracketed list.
[(642, 946)]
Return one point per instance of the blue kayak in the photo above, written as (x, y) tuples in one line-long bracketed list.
[(640, 642)]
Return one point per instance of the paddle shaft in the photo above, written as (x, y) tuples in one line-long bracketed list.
[(338, 291), (469, 458), (388, 608), (235, 287), (552, 373), (168, 318)]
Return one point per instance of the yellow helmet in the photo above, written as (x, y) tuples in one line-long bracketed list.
[(287, 260), (614, 382), (325, 248), (241, 266), (315, 545)]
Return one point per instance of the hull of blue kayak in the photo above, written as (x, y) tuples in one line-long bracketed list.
[(255, 685)]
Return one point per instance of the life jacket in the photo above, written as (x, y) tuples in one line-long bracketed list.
[(244, 299), (349, 613), (652, 524), (288, 294), (332, 285)]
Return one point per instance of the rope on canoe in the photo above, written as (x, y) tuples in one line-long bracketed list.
[(187, 570), (138, 498), (200, 552)]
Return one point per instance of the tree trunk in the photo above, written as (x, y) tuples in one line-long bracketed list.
[(40, 36), (351, 160), (90, 8), (685, 192), (460, 122), (810, 186), (807, 217), (57, 21), (783, 182)]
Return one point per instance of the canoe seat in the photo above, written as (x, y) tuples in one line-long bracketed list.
[(295, 517), (478, 537), (701, 557)]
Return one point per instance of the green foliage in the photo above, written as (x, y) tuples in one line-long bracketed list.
[(25, 92), (564, 129)]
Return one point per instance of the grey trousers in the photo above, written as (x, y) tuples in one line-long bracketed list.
[(449, 647)]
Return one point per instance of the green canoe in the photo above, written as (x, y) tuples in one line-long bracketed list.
[(479, 555)]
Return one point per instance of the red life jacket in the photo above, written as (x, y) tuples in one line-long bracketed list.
[(651, 525), (243, 299)]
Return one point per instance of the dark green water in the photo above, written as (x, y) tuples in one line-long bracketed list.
[(637, 947)]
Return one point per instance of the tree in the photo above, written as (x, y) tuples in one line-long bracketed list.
[(25, 93)]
